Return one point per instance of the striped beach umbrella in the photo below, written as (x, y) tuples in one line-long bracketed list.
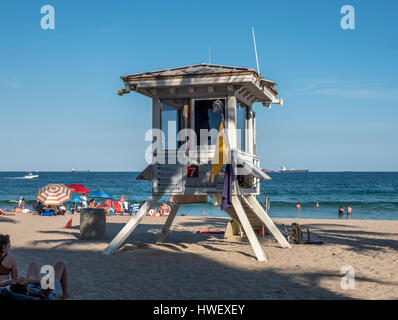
[(54, 194)]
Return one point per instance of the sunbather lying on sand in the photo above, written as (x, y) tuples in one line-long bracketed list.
[(6, 213)]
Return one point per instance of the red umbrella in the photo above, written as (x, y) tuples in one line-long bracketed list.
[(78, 188)]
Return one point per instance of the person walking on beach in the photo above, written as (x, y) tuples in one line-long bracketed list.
[(349, 212), (341, 212)]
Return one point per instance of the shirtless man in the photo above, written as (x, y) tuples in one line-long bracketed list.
[(349, 212)]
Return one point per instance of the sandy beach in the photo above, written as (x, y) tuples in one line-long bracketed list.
[(204, 266)]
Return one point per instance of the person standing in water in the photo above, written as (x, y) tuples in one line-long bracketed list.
[(317, 204), (349, 212), (341, 212), (298, 206)]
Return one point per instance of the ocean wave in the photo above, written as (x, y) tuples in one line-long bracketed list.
[(335, 203)]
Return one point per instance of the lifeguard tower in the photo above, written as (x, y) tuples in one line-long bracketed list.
[(198, 98)]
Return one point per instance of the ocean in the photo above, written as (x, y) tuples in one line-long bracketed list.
[(372, 195)]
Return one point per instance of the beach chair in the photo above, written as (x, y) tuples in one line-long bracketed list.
[(117, 207), (135, 208), (296, 235)]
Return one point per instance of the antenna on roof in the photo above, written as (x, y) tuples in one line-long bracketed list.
[(255, 50)]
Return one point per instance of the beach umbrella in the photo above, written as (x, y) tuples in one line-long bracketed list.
[(76, 199), (78, 188), (54, 194), (101, 194)]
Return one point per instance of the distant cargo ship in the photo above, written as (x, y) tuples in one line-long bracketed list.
[(268, 170), (283, 169)]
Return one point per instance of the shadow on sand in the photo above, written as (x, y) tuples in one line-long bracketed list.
[(143, 270)]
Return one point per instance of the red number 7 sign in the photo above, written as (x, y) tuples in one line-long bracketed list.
[(192, 171)]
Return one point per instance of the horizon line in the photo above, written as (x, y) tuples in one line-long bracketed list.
[(124, 171)]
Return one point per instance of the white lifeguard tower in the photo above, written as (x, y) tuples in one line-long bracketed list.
[(197, 98)]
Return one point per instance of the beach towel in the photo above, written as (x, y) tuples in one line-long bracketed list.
[(227, 188)]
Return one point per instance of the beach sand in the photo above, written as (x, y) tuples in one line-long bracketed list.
[(204, 266)]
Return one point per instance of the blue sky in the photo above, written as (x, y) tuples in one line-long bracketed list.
[(59, 109)]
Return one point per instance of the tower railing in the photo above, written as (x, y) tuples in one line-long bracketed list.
[(266, 206)]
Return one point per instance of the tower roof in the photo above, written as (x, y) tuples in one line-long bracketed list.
[(247, 80)]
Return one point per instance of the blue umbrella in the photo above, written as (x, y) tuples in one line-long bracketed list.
[(76, 199), (101, 194)]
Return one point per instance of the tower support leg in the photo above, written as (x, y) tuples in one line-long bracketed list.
[(267, 221), (131, 225), (247, 227), (169, 221)]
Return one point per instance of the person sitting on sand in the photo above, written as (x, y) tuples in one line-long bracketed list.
[(8, 264), (341, 212), (63, 210), (38, 207), (30, 285), (92, 204)]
